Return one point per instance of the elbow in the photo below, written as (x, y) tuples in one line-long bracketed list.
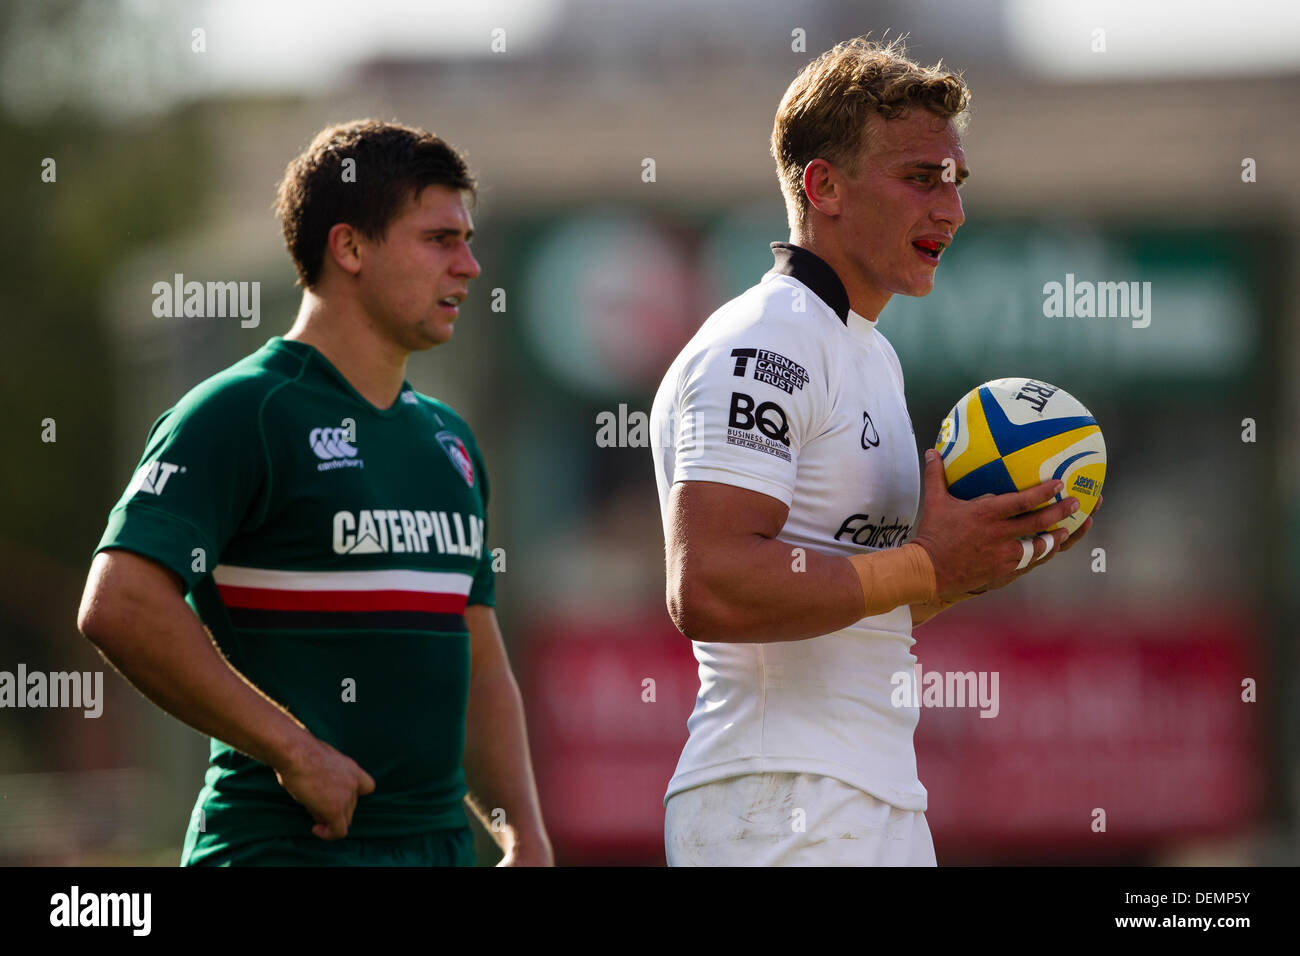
[(99, 619), (698, 611), (100, 601), (90, 615), (92, 623), (125, 601), (690, 619)]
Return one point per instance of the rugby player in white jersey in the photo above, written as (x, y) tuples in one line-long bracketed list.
[(788, 479)]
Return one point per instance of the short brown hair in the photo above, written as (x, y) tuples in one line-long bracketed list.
[(823, 114), (392, 165)]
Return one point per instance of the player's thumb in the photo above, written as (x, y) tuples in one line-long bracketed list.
[(935, 481), (365, 784)]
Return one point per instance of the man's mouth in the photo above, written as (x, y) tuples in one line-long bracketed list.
[(930, 248), (452, 301)]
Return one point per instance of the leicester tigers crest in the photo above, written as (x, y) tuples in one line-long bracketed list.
[(455, 449)]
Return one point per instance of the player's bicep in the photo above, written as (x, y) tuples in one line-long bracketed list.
[(123, 587), (707, 510), (708, 522), (486, 647), (710, 527)]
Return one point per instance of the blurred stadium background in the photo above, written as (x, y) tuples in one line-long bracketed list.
[(1119, 689)]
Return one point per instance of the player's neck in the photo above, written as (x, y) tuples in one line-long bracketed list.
[(373, 366), (864, 299)]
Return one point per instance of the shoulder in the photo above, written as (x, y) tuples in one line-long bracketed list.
[(891, 356), (886, 346), (775, 310), (444, 418), (437, 409), (773, 328), (234, 394)]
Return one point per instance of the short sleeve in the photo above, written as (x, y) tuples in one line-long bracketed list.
[(203, 471), (483, 589), (745, 407)]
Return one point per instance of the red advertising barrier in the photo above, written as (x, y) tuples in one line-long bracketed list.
[(1135, 723), (1145, 724), (604, 741)]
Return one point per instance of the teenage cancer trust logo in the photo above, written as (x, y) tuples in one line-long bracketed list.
[(455, 449)]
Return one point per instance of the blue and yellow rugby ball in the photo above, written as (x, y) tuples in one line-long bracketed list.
[(1015, 433)]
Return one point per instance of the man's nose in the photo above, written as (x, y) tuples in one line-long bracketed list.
[(950, 209), (467, 265)]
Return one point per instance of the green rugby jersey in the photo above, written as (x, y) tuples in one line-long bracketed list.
[(331, 547)]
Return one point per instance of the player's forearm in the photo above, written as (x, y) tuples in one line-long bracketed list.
[(923, 612), (498, 769), (170, 657), (764, 590)]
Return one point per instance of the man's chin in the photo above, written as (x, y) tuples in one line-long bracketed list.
[(428, 337), (918, 288)]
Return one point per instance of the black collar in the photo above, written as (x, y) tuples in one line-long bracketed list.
[(814, 272)]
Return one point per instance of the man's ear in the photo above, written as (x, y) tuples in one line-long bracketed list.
[(343, 246), (821, 184)]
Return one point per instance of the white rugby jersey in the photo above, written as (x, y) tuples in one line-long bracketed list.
[(786, 391)]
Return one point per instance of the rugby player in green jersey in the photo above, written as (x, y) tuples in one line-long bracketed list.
[(299, 568)]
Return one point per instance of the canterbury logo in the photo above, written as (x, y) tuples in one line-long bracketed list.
[(330, 443)]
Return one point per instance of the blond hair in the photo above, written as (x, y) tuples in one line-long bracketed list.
[(823, 114)]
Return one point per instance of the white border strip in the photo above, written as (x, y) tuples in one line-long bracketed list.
[(433, 582)]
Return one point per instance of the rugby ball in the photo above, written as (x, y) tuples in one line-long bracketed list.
[(1014, 433)]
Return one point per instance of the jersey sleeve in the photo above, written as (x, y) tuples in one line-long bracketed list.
[(745, 407), (204, 470), (483, 589)]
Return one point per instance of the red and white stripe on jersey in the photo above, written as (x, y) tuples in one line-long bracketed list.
[(436, 592)]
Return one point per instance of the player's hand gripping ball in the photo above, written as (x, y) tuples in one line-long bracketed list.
[(1015, 433)]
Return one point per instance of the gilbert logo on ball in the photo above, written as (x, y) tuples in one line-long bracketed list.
[(1015, 433)]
